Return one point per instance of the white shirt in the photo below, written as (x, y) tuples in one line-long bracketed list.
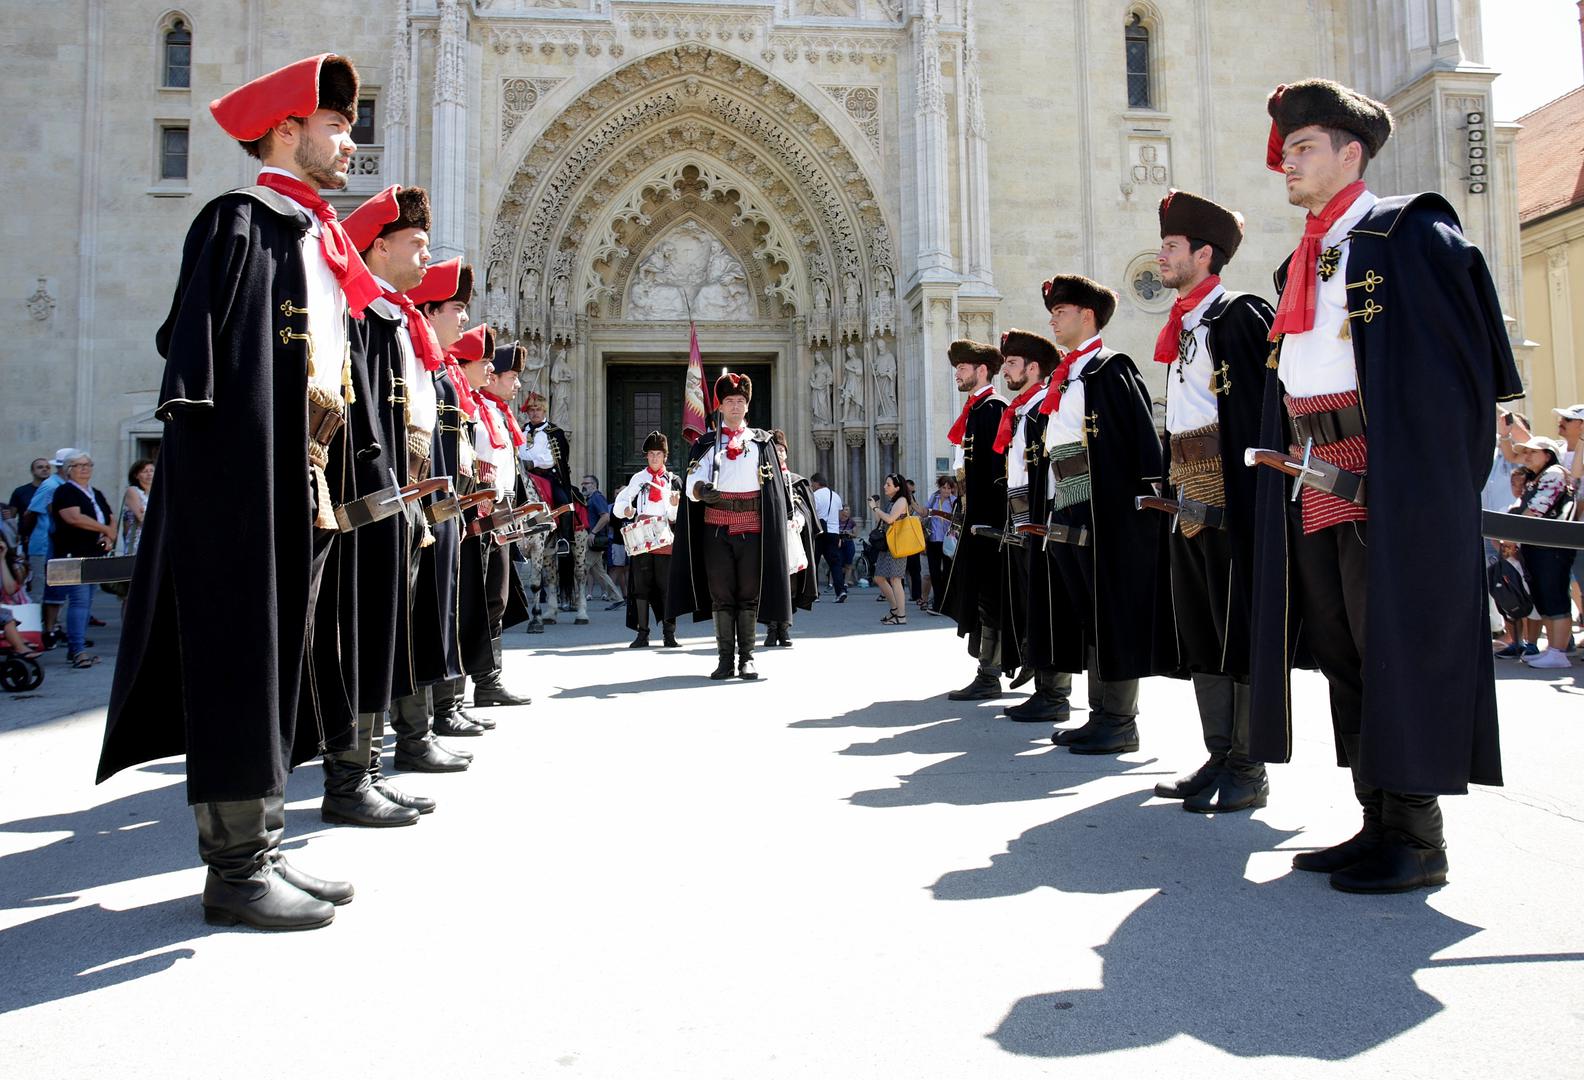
[(536, 452), (328, 347), (1066, 424), (419, 390), (828, 510), (504, 459), (739, 476), (1190, 401), (1320, 361), (1017, 466), (958, 460), (635, 497)]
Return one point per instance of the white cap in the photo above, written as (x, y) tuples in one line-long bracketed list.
[(65, 454), (1572, 412)]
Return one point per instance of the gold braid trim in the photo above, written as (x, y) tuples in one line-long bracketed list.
[(1198, 480)]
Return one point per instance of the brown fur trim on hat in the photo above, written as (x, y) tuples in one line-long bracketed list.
[(510, 357), (963, 351), (533, 398), (656, 440), (1327, 104), (464, 293), (338, 87), (1031, 347), (412, 205), (733, 383), (1079, 291), (1182, 213)]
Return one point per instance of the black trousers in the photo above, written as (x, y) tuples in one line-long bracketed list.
[(497, 571), (647, 583), (1330, 570), (732, 564), (1201, 573), (939, 567), (915, 575), (827, 547)]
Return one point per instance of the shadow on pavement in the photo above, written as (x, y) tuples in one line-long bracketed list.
[(1283, 968)]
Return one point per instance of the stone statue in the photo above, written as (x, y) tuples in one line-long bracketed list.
[(528, 302), (561, 389), (534, 366), (558, 293), (849, 295), (822, 381), (885, 376), (690, 272), (852, 390)]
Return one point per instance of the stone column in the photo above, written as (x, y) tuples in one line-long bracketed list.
[(930, 181), (825, 457), (858, 486), (448, 166), (978, 156), (397, 133)]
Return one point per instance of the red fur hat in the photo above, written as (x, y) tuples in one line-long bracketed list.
[(326, 81)]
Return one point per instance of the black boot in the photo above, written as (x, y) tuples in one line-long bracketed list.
[(1233, 790), (1361, 844), (1411, 854), (987, 681), (332, 892), (448, 711), (488, 690), (421, 803), (784, 639), (349, 795), (244, 884), (745, 642), (1243, 783), (1201, 779), (641, 609), (1111, 735), (669, 626), (725, 643), (428, 756), (1067, 736), (376, 748), (772, 635), (1047, 703)]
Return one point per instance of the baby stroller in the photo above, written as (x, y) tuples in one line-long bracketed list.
[(19, 674)]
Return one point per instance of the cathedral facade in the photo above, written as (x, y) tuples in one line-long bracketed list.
[(829, 190)]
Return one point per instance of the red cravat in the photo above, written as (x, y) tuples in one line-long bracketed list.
[(1166, 344), (1003, 437), (485, 413), (464, 392), (1296, 312), (426, 347), (656, 482), (960, 427), (734, 442), (357, 284), (517, 436), (1052, 400)]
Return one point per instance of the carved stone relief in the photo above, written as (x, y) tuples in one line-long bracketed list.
[(862, 104), (518, 97), (852, 388), (822, 385), (885, 380), (561, 380), (690, 273), (41, 305), (1147, 164)]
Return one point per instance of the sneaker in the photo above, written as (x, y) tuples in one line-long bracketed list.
[(841, 598), (1511, 652), (1531, 649), (1551, 658)]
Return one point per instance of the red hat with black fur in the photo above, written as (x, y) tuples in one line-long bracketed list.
[(444, 282), (474, 345), (1327, 104), (392, 210), (326, 81)]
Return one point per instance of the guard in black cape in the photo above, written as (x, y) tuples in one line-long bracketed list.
[(1214, 346), (805, 587), (651, 500), (258, 386), (730, 555), (1390, 341), (973, 590), (438, 657), (1110, 601), (547, 461), (1028, 361)]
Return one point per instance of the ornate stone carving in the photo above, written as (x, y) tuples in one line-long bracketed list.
[(518, 97), (395, 95), (561, 378), (690, 273), (693, 26), (534, 365), (449, 84), (824, 440), (852, 388), (534, 41), (1148, 163), (976, 114), (822, 384), (886, 434), (885, 380), (41, 305), (530, 311), (498, 307), (928, 94), (562, 327), (839, 9), (855, 437), (862, 104)]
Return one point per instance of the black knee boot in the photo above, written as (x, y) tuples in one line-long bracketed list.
[(1411, 854), (1365, 841), (641, 609), (725, 643), (746, 617), (244, 883), (669, 626), (349, 795), (488, 690), (334, 892)]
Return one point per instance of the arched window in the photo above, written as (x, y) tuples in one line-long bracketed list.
[(1136, 40), (176, 56)]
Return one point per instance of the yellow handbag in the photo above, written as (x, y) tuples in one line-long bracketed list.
[(905, 537)]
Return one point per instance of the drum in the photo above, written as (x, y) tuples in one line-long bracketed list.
[(646, 534)]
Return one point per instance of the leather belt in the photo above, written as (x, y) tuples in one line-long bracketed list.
[(1192, 449), (417, 466), (323, 423), (1328, 427), (1069, 467)]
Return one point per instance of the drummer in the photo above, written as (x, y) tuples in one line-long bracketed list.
[(649, 504)]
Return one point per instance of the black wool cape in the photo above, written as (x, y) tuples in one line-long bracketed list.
[(1131, 620), (1025, 604), (1237, 333), (212, 657), (1433, 359), (975, 579), (688, 592), (437, 654)]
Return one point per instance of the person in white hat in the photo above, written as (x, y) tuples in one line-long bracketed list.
[(1546, 495), (34, 537)]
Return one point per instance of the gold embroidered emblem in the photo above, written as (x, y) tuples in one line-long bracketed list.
[(1330, 262), (1371, 279)]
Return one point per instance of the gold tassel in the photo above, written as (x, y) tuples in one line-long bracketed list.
[(1273, 361), (1346, 333), (347, 393)]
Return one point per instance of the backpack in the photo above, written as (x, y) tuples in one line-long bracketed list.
[(1508, 590)]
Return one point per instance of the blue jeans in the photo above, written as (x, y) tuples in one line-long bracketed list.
[(78, 597)]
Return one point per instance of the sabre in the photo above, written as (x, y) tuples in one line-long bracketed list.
[(1312, 471)]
